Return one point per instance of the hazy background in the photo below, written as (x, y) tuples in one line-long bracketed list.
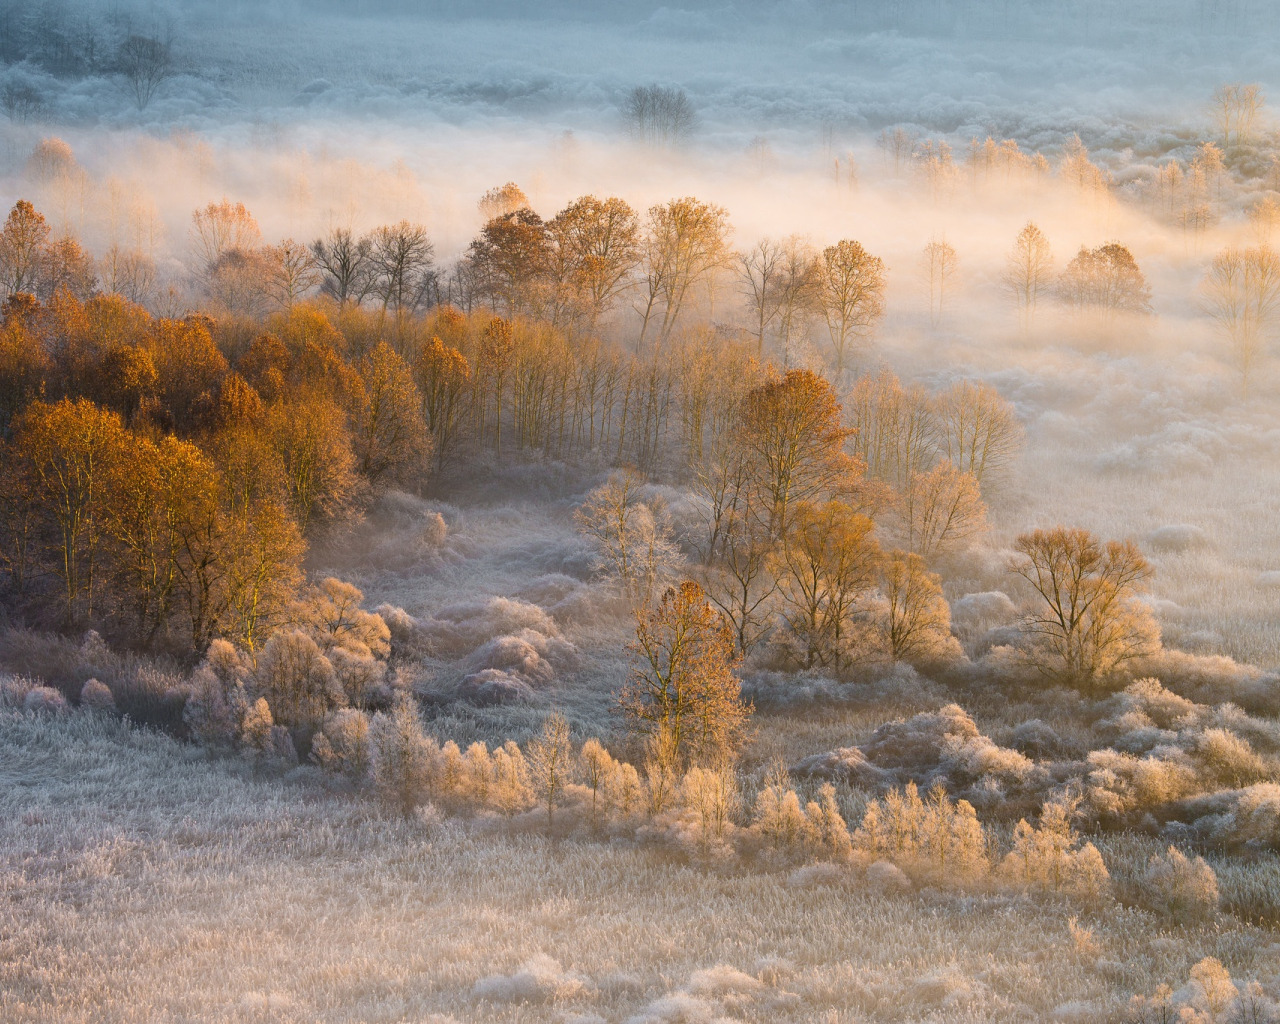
[(357, 114)]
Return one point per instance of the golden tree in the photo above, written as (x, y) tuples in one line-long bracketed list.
[(682, 686), (917, 620), (793, 440), (850, 295), (827, 565), (1087, 622)]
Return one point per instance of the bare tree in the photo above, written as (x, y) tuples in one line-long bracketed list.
[(659, 116), (401, 256), (758, 269), (145, 63), (917, 620), (940, 509), (1027, 273), (293, 271), (938, 265), (798, 290), (550, 758), (219, 228), (1242, 295), (345, 266), (977, 429), (1236, 108)]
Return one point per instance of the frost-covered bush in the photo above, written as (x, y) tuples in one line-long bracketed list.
[(1117, 784), (538, 980), (96, 696), (14, 689), (342, 745), (330, 614), (945, 746), (409, 639), (44, 700), (401, 756), (935, 837), (701, 822), (1233, 817), (1226, 760), (885, 876), (1184, 889), (1050, 857), (363, 677), (297, 680)]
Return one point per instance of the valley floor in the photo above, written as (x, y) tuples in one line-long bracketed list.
[(144, 883)]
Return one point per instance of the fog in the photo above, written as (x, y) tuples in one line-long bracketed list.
[(819, 120)]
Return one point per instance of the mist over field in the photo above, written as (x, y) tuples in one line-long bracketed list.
[(621, 512)]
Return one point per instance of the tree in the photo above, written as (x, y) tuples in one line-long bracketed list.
[(550, 757), (850, 294), (686, 241), (894, 431), (67, 451), (391, 439), (220, 228), (682, 684), (827, 565), (145, 63), (596, 247), (741, 584), (1242, 295), (401, 755), (941, 508), (309, 436), (1106, 279), (23, 242), (633, 537), (66, 266), (798, 289), (938, 264), (793, 441), (977, 429), (1086, 622), (502, 200), (345, 266), (917, 619), (443, 376), (497, 353), (293, 272), (1027, 272), (1236, 108), (401, 256), (659, 116), (512, 259), (759, 270)]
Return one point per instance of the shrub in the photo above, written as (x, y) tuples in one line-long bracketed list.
[(44, 700), (342, 745), (1183, 889), (297, 680), (938, 837), (96, 696), (1227, 760), (401, 756), (1049, 857)]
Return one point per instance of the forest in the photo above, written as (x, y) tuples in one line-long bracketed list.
[(483, 542)]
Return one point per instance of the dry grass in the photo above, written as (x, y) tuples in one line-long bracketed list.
[(144, 883)]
